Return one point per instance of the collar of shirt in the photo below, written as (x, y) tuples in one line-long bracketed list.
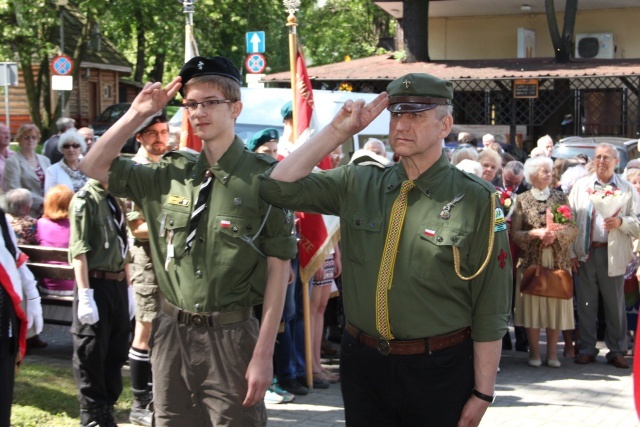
[(225, 165), (613, 181), (427, 181), (540, 195), (95, 186)]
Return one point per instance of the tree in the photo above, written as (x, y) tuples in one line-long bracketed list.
[(562, 43), (415, 25)]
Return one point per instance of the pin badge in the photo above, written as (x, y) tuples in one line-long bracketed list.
[(200, 65), (406, 83), (446, 210), (237, 201)]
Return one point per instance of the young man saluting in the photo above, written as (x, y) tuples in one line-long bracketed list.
[(217, 248)]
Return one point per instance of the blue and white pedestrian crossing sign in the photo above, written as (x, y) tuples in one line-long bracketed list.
[(255, 42), (255, 63)]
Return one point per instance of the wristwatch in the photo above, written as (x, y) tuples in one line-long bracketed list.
[(484, 397)]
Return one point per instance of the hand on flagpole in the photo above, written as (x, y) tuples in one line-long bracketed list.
[(355, 115), (153, 97)]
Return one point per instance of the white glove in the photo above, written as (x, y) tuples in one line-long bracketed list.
[(132, 302), (87, 308), (34, 314)]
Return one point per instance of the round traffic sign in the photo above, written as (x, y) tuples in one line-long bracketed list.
[(61, 65), (255, 63)]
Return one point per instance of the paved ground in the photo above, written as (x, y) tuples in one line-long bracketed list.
[(596, 395)]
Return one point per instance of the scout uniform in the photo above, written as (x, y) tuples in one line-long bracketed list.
[(431, 306), (210, 276), (100, 349)]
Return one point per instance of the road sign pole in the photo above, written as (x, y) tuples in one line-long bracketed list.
[(6, 99)]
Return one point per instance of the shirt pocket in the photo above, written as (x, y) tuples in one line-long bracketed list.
[(174, 227), (234, 233), (434, 245), (363, 234)]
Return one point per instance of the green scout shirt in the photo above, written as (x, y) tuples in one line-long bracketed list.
[(93, 230), (221, 271), (427, 298)]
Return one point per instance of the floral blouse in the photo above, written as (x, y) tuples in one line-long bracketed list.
[(530, 214), (25, 229)]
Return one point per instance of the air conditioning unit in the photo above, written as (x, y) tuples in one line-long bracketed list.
[(595, 45)]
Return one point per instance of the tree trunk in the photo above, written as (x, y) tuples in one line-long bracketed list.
[(141, 48), (562, 44), (415, 25), (158, 67)]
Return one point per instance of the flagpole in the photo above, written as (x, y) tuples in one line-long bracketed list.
[(292, 7)]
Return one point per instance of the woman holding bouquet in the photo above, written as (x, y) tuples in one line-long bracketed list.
[(542, 220)]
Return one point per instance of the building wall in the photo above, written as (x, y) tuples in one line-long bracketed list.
[(485, 37)]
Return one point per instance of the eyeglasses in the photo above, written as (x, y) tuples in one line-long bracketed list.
[(155, 134), (601, 158), (31, 137), (88, 139), (209, 104), (67, 146)]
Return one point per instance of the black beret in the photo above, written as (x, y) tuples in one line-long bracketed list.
[(201, 66)]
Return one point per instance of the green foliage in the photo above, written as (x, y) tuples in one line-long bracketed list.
[(46, 396)]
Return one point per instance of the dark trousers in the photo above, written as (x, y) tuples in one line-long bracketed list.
[(101, 350), (404, 391), (8, 354)]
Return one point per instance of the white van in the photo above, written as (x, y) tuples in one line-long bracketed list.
[(261, 109)]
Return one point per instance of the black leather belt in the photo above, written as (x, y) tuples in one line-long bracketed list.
[(599, 244), (108, 275), (212, 318), (409, 347)]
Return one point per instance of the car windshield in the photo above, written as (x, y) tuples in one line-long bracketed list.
[(113, 113)]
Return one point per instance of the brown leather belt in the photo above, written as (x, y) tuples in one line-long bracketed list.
[(212, 318), (107, 275), (409, 347), (599, 244)]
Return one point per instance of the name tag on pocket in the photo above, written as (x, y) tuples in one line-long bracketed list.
[(178, 200)]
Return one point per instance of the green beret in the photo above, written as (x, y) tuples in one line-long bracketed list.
[(418, 92), (287, 111), (262, 137), (201, 66)]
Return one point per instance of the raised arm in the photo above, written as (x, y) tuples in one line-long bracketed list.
[(149, 101), (352, 118)]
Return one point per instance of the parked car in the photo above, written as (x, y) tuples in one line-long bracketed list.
[(571, 146), (108, 117)]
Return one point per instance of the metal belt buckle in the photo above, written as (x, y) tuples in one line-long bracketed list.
[(121, 276), (384, 348), (197, 320)]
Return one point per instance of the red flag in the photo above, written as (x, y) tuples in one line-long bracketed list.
[(318, 233)]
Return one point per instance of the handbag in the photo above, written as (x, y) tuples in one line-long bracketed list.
[(546, 282)]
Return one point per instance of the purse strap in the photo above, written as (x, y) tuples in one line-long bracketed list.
[(540, 257)]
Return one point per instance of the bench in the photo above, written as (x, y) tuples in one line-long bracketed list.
[(56, 309)]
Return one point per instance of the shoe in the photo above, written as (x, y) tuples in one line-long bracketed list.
[(36, 342), (272, 397), (140, 417), (286, 396), (294, 386), (553, 363), (535, 363), (619, 362), (331, 377), (585, 359)]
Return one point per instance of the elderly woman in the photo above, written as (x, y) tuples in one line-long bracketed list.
[(491, 164), (463, 153), (529, 231), (18, 204), (72, 145), (27, 168), (53, 230)]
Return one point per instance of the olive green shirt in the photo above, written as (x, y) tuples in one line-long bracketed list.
[(221, 271), (93, 229), (426, 298)]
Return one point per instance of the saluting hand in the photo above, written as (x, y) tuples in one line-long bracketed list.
[(153, 97), (355, 115)]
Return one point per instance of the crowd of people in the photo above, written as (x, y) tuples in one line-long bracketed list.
[(201, 250)]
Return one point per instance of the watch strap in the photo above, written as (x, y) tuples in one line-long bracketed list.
[(485, 397)]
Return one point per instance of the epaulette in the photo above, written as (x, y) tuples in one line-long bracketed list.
[(266, 158), (81, 193), (186, 153)]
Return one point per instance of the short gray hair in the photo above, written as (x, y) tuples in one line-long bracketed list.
[(72, 136), (443, 111), (17, 201), (514, 166), (610, 147), (65, 123), (532, 165)]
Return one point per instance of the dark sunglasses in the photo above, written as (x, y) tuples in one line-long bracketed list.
[(66, 146)]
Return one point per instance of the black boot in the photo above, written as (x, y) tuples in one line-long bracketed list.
[(97, 416), (141, 411)]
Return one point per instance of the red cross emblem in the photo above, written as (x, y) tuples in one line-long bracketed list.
[(502, 258)]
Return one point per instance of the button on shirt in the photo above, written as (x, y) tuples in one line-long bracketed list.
[(426, 298), (221, 271)]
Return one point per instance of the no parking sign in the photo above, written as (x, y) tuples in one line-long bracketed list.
[(61, 65), (255, 63)]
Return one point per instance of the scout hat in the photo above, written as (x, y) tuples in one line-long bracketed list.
[(262, 137), (201, 66), (287, 111), (417, 92)]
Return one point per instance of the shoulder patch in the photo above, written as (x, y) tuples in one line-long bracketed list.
[(501, 223), (82, 193), (79, 206)]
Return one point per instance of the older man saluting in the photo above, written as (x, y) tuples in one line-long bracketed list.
[(607, 244), (421, 345)]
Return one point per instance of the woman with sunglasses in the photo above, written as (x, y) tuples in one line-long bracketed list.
[(27, 168), (72, 145)]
